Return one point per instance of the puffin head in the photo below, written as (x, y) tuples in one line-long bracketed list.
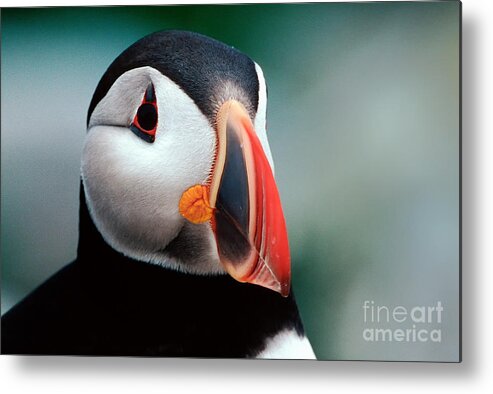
[(176, 166)]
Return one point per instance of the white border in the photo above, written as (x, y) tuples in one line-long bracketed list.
[(127, 375)]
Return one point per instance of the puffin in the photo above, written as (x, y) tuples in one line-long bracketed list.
[(183, 248)]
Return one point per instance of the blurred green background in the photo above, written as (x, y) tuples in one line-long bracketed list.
[(363, 122)]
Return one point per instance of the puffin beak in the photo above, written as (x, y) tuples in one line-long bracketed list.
[(247, 218), (242, 203)]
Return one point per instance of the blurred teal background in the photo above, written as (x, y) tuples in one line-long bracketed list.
[(363, 122)]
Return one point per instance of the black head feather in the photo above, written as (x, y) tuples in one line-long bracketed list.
[(206, 69)]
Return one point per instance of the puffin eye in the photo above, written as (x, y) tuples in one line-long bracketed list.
[(144, 124)]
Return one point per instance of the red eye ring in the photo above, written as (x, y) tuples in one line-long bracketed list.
[(145, 120)]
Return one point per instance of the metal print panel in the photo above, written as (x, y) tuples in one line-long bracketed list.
[(261, 181)]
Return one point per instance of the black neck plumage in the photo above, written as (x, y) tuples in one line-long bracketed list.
[(199, 315)]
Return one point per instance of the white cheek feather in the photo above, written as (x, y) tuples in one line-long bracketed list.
[(260, 118), (288, 345), (132, 187), (121, 102)]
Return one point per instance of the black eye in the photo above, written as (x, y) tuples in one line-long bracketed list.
[(147, 116), (144, 124)]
